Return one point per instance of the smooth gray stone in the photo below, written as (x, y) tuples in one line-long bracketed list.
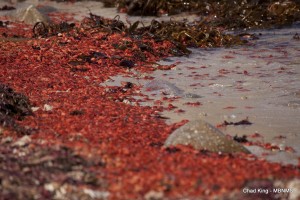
[(164, 87), (203, 136), (29, 15), (167, 88)]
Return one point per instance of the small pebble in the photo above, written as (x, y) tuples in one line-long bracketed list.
[(47, 107)]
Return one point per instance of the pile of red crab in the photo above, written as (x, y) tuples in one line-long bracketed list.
[(102, 131)]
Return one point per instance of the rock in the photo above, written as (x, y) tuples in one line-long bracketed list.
[(29, 15), (166, 88), (163, 87), (203, 136)]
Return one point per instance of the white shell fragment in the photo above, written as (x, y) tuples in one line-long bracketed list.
[(34, 109), (47, 107), (203, 136)]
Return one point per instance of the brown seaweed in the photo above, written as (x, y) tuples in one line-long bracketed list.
[(44, 30), (242, 139), (242, 122), (13, 106), (6, 7), (225, 13)]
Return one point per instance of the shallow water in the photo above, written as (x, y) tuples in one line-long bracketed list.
[(259, 81)]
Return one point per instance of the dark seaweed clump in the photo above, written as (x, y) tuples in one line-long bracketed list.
[(181, 33), (13, 106), (5, 7), (225, 13), (195, 34), (107, 3), (41, 29)]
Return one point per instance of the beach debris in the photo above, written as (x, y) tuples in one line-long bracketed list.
[(195, 34), (3, 23), (6, 7), (48, 29), (242, 139), (77, 112), (242, 122), (13, 106), (47, 107), (203, 136), (127, 63), (181, 33), (34, 109)]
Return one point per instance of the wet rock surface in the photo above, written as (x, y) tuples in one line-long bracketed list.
[(29, 15), (203, 136), (162, 87)]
